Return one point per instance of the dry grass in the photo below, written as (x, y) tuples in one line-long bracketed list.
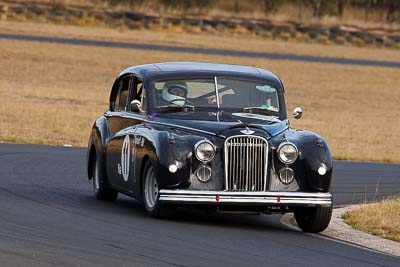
[(52, 94), (380, 219)]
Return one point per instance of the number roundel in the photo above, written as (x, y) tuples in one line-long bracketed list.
[(125, 158)]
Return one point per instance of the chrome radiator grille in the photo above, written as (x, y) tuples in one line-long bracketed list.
[(246, 159)]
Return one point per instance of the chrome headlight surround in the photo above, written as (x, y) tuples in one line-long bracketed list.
[(204, 151), (287, 152)]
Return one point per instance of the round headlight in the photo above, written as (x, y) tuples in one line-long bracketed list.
[(204, 151), (287, 153)]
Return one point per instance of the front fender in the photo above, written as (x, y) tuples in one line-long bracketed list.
[(166, 148), (314, 153)]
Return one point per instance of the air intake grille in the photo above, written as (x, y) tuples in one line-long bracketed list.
[(246, 159)]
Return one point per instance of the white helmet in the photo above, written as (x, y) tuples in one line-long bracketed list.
[(169, 95)]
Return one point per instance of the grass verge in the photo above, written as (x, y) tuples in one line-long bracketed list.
[(380, 219)]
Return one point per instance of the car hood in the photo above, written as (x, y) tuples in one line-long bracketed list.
[(223, 123)]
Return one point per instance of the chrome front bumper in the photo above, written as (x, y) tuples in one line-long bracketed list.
[(246, 198)]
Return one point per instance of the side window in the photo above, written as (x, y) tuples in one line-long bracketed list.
[(124, 93), (137, 93), (121, 95)]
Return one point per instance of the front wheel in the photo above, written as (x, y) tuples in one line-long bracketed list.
[(101, 190), (313, 219), (150, 191)]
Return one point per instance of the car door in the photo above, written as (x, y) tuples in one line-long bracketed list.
[(122, 123)]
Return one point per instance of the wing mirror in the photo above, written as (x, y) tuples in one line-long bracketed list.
[(136, 106), (297, 113)]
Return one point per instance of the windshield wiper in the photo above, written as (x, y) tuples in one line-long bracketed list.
[(265, 116), (258, 108), (174, 108)]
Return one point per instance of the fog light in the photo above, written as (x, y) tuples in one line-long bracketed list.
[(322, 170), (286, 175), (172, 168), (203, 173)]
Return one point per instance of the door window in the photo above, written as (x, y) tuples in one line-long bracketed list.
[(137, 93), (122, 94)]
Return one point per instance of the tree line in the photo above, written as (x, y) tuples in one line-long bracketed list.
[(320, 8)]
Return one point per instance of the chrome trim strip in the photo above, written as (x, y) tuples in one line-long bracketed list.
[(224, 197), (243, 193), (216, 91)]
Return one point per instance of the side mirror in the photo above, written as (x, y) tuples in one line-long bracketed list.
[(297, 113), (136, 106)]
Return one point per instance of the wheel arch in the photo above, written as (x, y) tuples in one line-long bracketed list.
[(92, 157), (96, 144)]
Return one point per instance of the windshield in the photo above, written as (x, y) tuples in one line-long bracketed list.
[(203, 93)]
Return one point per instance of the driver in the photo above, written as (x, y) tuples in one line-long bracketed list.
[(175, 93)]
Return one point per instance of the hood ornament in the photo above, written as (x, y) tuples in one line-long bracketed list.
[(247, 131)]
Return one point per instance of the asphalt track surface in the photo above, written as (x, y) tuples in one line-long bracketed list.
[(205, 51), (49, 217)]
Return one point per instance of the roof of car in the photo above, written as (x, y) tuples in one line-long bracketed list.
[(199, 68)]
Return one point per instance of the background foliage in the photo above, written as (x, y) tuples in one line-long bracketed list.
[(389, 9)]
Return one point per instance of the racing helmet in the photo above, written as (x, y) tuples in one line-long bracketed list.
[(175, 93)]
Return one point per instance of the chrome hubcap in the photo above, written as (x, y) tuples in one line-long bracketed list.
[(151, 188)]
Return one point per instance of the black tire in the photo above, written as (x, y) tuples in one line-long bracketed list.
[(101, 189), (313, 219), (151, 196)]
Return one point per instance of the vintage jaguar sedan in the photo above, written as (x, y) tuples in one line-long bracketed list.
[(210, 136)]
